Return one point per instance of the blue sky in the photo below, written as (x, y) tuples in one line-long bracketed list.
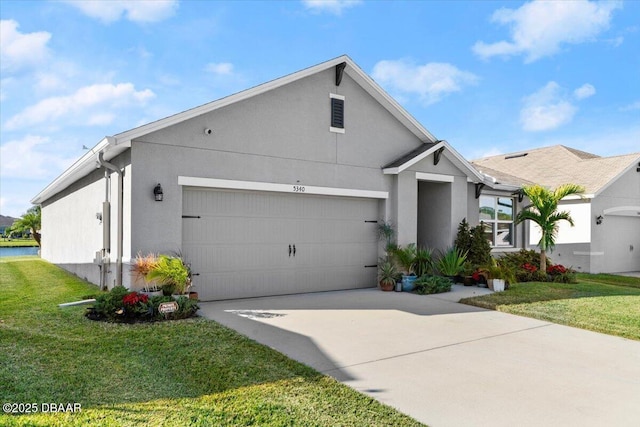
[(489, 77)]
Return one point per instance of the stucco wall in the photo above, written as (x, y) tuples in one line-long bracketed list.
[(71, 232), (281, 136), (615, 244)]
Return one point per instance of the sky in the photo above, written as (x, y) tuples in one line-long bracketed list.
[(489, 77)]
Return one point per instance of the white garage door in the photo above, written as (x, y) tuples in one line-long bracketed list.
[(251, 243)]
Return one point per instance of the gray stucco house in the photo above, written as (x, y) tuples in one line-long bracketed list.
[(605, 237), (273, 190)]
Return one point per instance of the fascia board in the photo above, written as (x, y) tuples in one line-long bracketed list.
[(412, 161), (471, 171)]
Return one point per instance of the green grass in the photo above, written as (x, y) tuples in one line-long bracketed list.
[(603, 303), (17, 242), (189, 372)]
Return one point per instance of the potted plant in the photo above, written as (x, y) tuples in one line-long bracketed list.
[(171, 272), (406, 258), (141, 267), (387, 274), (499, 275), (451, 262)]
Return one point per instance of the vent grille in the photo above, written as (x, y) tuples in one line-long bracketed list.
[(337, 113)]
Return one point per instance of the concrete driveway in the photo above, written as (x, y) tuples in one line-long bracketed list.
[(448, 364)]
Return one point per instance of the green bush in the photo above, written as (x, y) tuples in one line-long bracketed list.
[(480, 248), (122, 305), (427, 284), (451, 262)]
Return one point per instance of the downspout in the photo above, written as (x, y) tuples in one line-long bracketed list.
[(107, 225)]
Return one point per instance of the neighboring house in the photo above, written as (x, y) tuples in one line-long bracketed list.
[(5, 222), (273, 190), (606, 235)]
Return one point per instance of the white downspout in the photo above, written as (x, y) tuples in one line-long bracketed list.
[(107, 231)]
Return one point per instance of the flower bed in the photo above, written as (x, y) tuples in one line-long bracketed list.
[(121, 305)]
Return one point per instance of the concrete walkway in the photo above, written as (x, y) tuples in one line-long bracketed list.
[(449, 364)]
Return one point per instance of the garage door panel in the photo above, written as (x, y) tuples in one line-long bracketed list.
[(239, 244)]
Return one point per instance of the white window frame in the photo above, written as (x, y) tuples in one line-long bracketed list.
[(495, 221)]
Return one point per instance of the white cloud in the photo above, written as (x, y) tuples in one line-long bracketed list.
[(134, 10), (631, 107), (546, 109), (584, 91), (540, 28), (331, 6), (220, 68), (82, 106), (31, 157), (18, 50), (431, 82)]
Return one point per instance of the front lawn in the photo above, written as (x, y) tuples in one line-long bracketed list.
[(17, 242), (176, 373), (603, 303)]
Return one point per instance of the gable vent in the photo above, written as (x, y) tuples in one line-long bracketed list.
[(337, 113)]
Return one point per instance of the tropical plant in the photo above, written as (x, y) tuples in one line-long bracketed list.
[(543, 211), (142, 265), (29, 222), (386, 232), (451, 262), (498, 269), (387, 274), (172, 271), (424, 263), (406, 257)]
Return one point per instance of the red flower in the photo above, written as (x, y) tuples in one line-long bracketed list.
[(556, 269), (133, 298), (530, 267)]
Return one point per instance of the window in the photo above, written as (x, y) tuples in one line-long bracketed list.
[(337, 113), (496, 214)]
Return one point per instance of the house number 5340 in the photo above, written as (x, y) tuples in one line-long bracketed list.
[(298, 189)]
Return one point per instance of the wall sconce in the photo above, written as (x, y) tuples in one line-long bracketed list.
[(157, 193), (599, 219)]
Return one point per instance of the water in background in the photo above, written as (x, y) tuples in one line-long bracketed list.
[(18, 251)]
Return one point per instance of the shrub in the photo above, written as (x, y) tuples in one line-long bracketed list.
[(463, 237), (561, 274), (480, 250), (427, 284), (120, 305), (526, 265)]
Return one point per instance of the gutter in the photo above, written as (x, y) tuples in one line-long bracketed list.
[(106, 223)]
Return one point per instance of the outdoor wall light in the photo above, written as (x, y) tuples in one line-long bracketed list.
[(157, 193), (599, 219)]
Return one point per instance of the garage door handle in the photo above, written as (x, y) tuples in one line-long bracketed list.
[(289, 250), (294, 250)]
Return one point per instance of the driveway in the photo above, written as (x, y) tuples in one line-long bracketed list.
[(448, 364)]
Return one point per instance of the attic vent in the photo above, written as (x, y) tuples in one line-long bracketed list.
[(337, 111), (515, 156)]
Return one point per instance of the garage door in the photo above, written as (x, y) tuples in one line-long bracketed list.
[(252, 243), (622, 251)]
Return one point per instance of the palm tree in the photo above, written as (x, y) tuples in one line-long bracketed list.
[(543, 210), (31, 221)]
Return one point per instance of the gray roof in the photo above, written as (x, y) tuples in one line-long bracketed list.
[(556, 165), (6, 221), (410, 155)]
